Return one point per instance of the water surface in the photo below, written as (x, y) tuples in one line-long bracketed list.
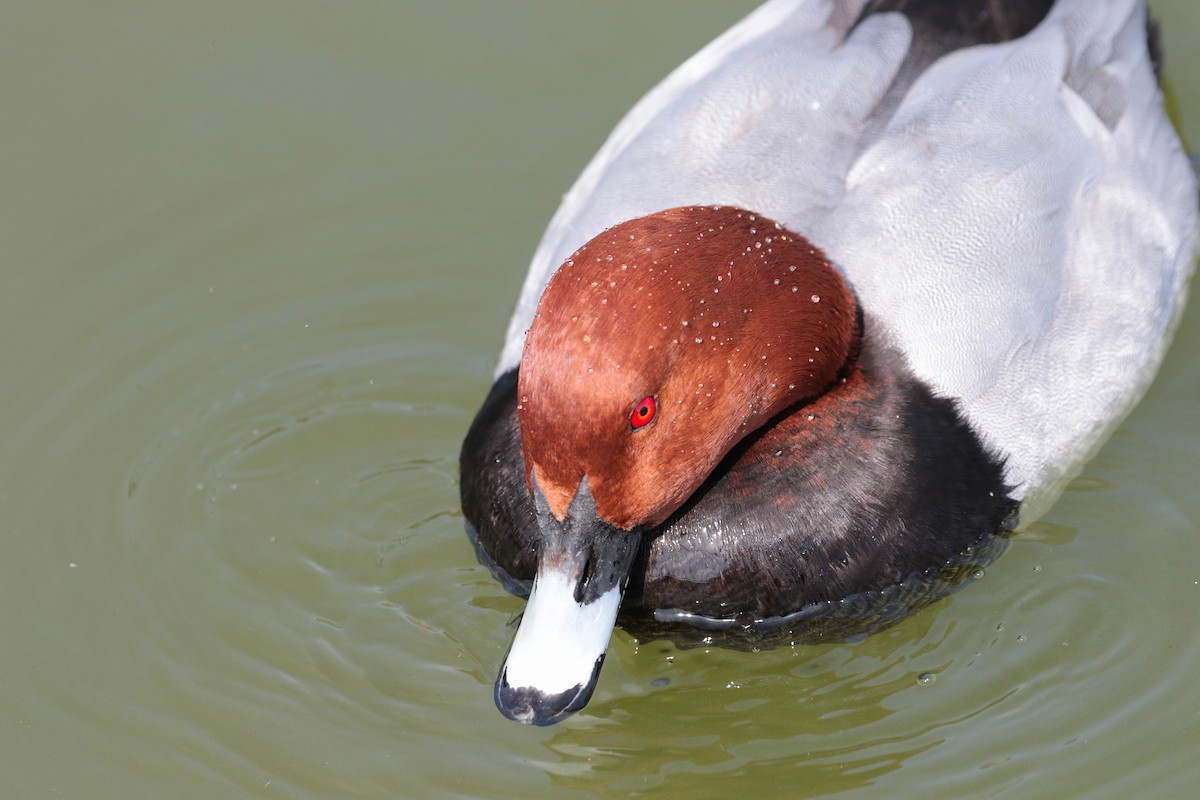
[(258, 262)]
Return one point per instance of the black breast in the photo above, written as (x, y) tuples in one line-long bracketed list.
[(838, 517), (871, 501)]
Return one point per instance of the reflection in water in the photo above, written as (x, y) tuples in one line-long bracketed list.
[(844, 717), (817, 715)]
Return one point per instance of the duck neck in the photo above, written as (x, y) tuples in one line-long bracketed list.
[(873, 481)]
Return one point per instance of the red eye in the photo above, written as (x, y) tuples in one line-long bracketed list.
[(643, 412)]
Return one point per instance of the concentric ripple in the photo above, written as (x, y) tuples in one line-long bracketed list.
[(248, 513)]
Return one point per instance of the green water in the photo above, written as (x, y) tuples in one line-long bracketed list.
[(258, 260)]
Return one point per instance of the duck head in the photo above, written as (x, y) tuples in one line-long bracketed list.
[(655, 349)]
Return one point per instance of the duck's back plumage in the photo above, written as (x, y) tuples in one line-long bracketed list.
[(853, 290), (1018, 217)]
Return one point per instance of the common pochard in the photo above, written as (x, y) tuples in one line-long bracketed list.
[(847, 297)]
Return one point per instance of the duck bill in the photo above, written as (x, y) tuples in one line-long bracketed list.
[(555, 658)]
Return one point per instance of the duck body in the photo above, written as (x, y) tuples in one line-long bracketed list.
[(847, 295), (769, 549)]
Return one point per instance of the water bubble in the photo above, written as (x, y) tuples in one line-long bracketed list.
[(926, 678)]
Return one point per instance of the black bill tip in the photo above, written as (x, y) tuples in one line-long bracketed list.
[(531, 706)]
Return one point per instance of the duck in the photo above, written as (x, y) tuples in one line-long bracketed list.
[(838, 306)]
